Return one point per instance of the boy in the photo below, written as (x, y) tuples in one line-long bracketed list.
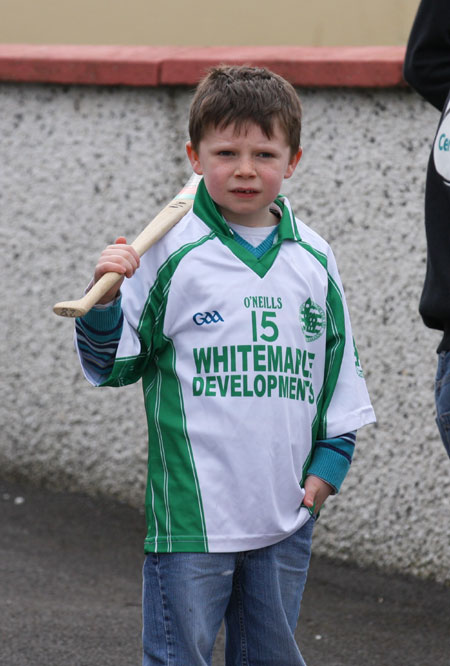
[(237, 325), (427, 70)]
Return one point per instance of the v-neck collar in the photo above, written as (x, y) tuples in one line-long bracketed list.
[(207, 210)]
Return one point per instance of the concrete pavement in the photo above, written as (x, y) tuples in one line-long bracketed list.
[(70, 586)]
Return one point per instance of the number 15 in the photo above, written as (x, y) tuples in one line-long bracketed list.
[(266, 323)]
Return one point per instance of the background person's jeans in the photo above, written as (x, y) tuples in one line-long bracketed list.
[(258, 593), (442, 394)]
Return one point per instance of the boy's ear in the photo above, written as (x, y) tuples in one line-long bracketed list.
[(295, 159), (194, 159)]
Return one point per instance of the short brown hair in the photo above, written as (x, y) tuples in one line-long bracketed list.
[(241, 94)]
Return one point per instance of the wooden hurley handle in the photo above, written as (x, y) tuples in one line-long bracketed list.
[(156, 229)]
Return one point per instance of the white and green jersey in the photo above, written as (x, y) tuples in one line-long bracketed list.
[(245, 362)]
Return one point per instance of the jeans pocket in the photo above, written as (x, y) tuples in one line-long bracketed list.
[(442, 396), (443, 424), (442, 373)]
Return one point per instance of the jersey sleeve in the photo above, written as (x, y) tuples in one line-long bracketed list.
[(127, 330), (143, 308), (345, 404)]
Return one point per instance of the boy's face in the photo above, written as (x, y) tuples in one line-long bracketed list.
[(243, 171)]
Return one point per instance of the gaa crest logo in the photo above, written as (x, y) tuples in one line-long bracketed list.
[(201, 318), (312, 319)]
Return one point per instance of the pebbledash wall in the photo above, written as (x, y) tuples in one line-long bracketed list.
[(92, 145)]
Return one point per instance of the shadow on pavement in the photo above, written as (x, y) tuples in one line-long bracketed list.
[(70, 588)]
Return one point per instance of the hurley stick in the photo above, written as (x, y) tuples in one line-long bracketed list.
[(160, 225)]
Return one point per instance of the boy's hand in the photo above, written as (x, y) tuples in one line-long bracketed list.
[(316, 492), (117, 258)]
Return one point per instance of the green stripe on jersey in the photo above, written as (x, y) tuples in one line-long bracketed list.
[(172, 484), (334, 352), (335, 344), (174, 508)]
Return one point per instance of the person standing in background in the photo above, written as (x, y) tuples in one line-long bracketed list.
[(427, 70)]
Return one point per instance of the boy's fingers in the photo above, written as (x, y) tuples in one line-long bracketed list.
[(121, 240), (118, 258), (308, 500), (122, 254), (312, 488), (117, 265), (106, 266)]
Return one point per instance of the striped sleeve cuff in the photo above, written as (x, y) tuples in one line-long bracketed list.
[(98, 335), (104, 319), (332, 459)]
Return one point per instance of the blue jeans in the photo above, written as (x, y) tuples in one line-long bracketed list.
[(258, 593), (442, 394)]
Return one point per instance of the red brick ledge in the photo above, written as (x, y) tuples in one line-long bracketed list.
[(371, 66)]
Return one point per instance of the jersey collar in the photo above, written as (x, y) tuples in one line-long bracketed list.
[(207, 210)]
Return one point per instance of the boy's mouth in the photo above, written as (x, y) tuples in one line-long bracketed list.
[(244, 191)]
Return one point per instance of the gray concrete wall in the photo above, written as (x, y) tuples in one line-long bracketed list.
[(81, 165)]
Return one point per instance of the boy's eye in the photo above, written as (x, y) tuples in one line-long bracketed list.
[(265, 155), (225, 153)]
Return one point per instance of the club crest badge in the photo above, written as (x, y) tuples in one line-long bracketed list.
[(312, 319)]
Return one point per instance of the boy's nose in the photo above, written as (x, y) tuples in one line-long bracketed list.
[(245, 168)]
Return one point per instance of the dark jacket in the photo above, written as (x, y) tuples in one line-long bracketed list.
[(427, 70)]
